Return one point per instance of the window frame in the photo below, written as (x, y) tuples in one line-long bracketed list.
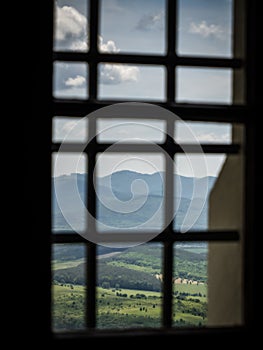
[(244, 114)]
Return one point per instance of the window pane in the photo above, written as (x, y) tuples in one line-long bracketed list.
[(190, 278), (129, 82), (206, 133), (129, 292), (205, 85), (142, 26), (69, 185), (70, 129), (197, 177), (205, 28), (131, 130), (130, 191), (70, 80), (71, 25), (68, 287)]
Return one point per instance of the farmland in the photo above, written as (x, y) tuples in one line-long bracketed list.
[(129, 288)]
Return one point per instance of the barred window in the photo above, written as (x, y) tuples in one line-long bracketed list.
[(149, 154)]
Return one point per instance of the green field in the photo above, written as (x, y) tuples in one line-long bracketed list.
[(59, 265), (128, 293), (68, 310), (128, 308), (192, 288), (124, 308)]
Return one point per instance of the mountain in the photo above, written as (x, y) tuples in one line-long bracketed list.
[(128, 199), (121, 182)]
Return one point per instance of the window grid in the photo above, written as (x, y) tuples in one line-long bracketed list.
[(193, 112)]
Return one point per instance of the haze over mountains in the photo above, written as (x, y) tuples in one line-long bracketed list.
[(128, 200)]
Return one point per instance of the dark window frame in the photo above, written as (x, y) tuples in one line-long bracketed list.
[(244, 114)]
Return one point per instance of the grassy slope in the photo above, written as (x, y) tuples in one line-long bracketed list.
[(120, 312), (59, 265), (117, 311)]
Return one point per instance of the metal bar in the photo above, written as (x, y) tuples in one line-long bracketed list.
[(93, 31), (91, 287), (169, 177), (67, 147), (171, 148), (66, 237), (171, 58), (171, 27), (93, 40), (91, 248), (167, 284), (209, 62), (209, 236), (166, 235), (171, 35), (209, 148), (189, 111)]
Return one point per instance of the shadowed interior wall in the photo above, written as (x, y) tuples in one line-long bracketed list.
[(226, 211), (225, 259)]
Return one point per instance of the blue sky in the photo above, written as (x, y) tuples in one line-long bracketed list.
[(204, 28)]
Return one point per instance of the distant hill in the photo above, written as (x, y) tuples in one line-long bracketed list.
[(133, 268), (128, 199)]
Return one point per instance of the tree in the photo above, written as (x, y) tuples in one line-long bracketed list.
[(105, 285)]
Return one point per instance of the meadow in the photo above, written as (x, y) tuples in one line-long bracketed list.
[(129, 294)]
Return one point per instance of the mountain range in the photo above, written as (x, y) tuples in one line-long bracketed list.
[(129, 200)]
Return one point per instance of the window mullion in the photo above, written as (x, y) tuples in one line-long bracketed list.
[(90, 222), (167, 284), (91, 286), (93, 46), (171, 45)]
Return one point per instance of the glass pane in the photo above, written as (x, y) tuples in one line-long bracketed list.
[(125, 81), (130, 191), (70, 80), (70, 129), (142, 26), (71, 25), (129, 292), (206, 133), (195, 177), (205, 85), (131, 130), (68, 287), (190, 278), (205, 28), (69, 185)]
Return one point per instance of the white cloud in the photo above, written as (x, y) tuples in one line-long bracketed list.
[(79, 45), (151, 21), (206, 30), (75, 82), (118, 73), (71, 33), (71, 27), (109, 46)]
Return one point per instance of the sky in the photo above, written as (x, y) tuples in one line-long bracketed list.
[(204, 28)]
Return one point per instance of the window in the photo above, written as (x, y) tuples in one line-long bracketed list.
[(77, 95)]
